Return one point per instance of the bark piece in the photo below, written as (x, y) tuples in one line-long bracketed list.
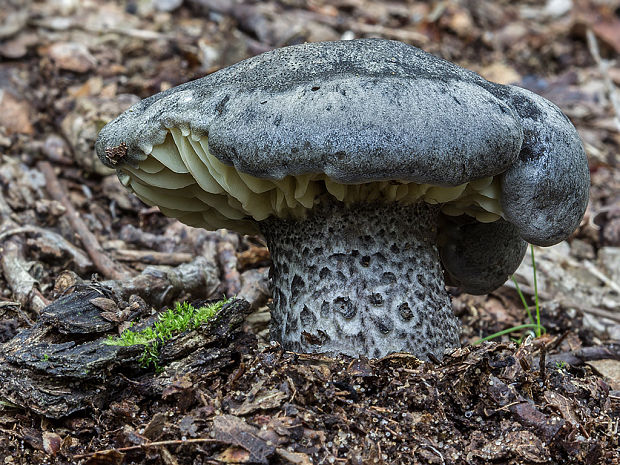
[(526, 413), (160, 286), (232, 430), (61, 364)]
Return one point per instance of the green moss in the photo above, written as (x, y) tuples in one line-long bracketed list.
[(183, 317)]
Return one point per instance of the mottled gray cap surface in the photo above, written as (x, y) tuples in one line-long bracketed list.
[(357, 111), (373, 110), (545, 191)]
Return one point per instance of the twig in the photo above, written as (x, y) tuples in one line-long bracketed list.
[(15, 267), (81, 260), (594, 311), (152, 258), (587, 354), (512, 404), (417, 38), (600, 275), (102, 262), (172, 442), (142, 34), (15, 270), (603, 67), (146, 240)]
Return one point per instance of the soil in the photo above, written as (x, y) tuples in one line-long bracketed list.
[(82, 259)]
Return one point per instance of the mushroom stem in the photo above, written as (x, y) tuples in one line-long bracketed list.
[(363, 279)]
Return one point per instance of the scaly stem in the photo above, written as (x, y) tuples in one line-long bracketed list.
[(364, 280)]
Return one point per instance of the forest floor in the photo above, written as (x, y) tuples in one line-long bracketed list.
[(69, 232)]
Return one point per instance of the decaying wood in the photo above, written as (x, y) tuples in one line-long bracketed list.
[(160, 286), (218, 329), (52, 375), (587, 354), (54, 241), (61, 364), (151, 257), (15, 269), (102, 261)]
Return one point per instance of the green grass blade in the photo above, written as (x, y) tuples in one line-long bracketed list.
[(525, 305), (506, 331), (539, 329)]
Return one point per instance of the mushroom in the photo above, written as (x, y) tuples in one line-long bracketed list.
[(371, 167)]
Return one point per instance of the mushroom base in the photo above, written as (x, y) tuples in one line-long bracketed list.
[(363, 279)]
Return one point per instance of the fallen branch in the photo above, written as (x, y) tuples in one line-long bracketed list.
[(587, 354), (15, 270), (172, 442), (55, 241), (151, 257), (159, 287), (102, 262), (15, 267)]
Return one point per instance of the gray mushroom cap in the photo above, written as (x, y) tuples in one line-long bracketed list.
[(545, 191), (358, 111), (368, 111)]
